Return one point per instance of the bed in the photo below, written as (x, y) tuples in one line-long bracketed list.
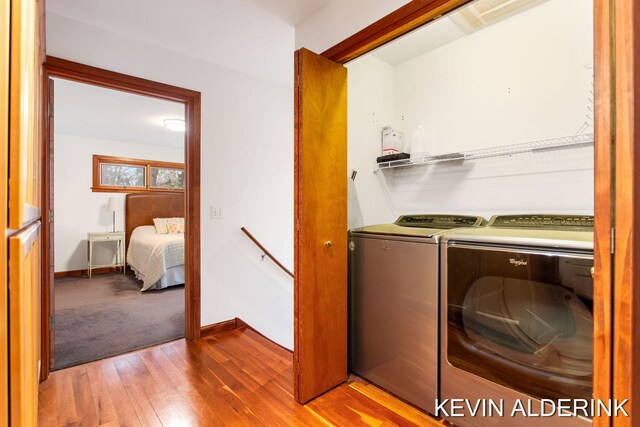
[(156, 259)]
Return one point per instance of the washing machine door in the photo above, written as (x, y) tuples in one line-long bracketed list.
[(522, 318)]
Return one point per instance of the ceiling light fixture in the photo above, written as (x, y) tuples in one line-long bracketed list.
[(177, 125)]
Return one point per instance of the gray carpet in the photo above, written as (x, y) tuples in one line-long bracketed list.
[(108, 315)]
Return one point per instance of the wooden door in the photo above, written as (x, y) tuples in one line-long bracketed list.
[(24, 324), (320, 293), (24, 114), (21, 201)]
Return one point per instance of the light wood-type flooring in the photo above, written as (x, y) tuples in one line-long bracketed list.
[(235, 378)]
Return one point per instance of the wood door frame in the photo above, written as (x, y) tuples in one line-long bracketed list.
[(625, 382), (64, 69), (396, 24), (604, 211), (624, 336)]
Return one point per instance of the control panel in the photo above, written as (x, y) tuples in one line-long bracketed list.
[(565, 222), (439, 221)]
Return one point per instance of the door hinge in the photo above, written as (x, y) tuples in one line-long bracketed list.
[(50, 216), (50, 109), (52, 322), (613, 240), (298, 80)]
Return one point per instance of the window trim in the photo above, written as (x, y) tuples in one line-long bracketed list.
[(148, 164)]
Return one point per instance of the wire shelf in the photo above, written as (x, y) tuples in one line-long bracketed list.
[(505, 150)]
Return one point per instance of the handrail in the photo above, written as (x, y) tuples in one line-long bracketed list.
[(266, 252)]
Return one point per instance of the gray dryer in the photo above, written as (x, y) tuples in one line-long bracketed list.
[(393, 304)]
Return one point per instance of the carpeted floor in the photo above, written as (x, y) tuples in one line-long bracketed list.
[(108, 315)]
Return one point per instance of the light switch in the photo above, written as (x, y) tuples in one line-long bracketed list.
[(217, 212)]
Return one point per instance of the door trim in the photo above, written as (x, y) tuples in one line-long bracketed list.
[(61, 68), (396, 24), (625, 382), (604, 189)]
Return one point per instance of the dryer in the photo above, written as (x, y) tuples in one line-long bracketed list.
[(393, 304), (517, 318)]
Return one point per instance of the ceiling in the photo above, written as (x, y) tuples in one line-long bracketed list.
[(293, 12), (473, 17), (436, 34), (252, 36), (94, 112)]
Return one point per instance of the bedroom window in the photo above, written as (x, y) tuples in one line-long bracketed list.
[(167, 178), (124, 175)]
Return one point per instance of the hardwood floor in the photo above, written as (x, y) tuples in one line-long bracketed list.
[(232, 378)]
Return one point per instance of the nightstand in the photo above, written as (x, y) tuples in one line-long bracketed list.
[(107, 236)]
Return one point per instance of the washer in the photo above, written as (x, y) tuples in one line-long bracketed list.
[(393, 304), (517, 318)]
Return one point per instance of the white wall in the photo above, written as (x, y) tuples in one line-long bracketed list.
[(519, 80), (341, 19), (78, 210), (371, 106), (247, 167)]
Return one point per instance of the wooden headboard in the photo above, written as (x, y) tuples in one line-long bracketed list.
[(141, 208)]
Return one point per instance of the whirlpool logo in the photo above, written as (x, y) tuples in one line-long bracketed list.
[(517, 262)]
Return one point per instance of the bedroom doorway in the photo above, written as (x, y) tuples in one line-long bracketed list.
[(108, 174)]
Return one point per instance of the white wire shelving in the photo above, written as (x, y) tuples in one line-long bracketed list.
[(504, 150)]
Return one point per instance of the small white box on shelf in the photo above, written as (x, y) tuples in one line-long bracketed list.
[(391, 141)]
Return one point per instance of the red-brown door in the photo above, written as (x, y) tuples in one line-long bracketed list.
[(320, 294)]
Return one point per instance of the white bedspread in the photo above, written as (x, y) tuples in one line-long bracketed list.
[(152, 254)]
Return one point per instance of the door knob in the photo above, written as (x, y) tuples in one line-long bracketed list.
[(328, 243), (593, 272)]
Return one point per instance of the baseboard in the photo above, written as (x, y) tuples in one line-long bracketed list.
[(229, 325), (216, 328), (79, 273)]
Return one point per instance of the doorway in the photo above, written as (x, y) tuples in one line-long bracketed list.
[(415, 14), (189, 103), (110, 145)]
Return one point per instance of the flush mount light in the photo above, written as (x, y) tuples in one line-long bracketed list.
[(177, 125)]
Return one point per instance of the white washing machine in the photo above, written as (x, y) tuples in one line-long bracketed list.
[(393, 304), (517, 321)]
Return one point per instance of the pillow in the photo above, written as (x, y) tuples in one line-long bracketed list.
[(162, 224), (175, 228)]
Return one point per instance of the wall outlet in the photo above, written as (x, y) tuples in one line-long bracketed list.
[(217, 212)]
